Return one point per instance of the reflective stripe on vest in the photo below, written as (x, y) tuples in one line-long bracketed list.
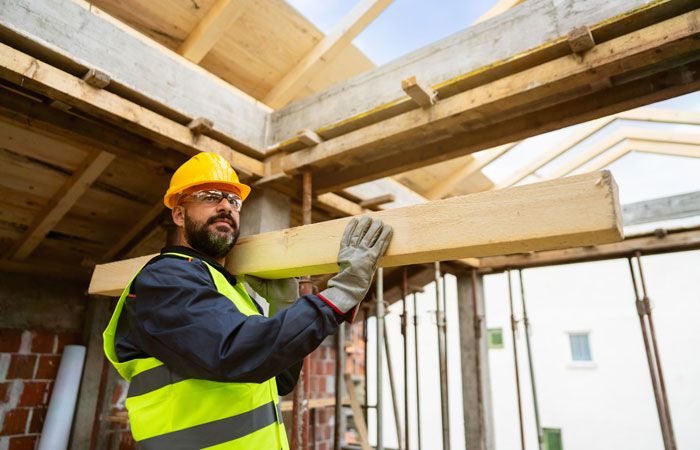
[(168, 411)]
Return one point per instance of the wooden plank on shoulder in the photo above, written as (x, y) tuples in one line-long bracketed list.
[(550, 215)]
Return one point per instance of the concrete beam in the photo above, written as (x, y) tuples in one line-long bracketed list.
[(659, 209), (531, 27), (77, 39)]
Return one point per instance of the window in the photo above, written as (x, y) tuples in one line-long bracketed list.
[(495, 337), (580, 347), (552, 438)]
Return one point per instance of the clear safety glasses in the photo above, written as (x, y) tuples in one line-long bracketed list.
[(212, 197)]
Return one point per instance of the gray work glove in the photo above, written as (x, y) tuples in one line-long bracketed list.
[(361, 246), (280, 294)]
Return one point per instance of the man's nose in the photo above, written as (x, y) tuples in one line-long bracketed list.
[(224, 205)]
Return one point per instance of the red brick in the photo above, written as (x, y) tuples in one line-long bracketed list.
[(67, 339), (49, 391), (15, 422), (330, 368), (48, 367), (117, 393), (127, 441), (42, 342), (21, 366), (10, 340), (23, 443), (33, 394), (37, 421), (4, 389)]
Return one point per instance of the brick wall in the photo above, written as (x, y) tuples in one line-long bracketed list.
[(323, 383), (28, 366)]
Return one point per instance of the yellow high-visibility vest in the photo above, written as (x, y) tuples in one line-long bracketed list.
[(169, 412)]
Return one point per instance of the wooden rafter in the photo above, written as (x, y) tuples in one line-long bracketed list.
[(637, 145), (638, 49), (498, 8), (211, 28), (590, 128), (138, 228), (681, 240), (618, 137), (325, 51), (476, 164), (496, 222), (62, 201)]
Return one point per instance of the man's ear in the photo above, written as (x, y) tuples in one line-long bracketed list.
[(179, 215)]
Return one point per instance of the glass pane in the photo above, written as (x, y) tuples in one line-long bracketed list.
[(580, 347), (552, 438)]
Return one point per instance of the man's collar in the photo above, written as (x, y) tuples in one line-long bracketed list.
[(195, 254)]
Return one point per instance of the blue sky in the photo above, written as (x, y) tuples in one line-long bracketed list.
[(404, 26)]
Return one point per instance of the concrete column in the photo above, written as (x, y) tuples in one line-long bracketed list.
[(264, 210), (477, 436)]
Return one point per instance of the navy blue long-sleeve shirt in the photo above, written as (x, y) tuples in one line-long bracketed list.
[(175, 314)]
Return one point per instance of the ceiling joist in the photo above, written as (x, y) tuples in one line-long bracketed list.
[(62, 201), (211, 28), (325, 51)]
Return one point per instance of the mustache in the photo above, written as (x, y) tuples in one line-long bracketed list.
[(224, 216)]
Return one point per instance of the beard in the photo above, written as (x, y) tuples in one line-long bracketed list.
[(215, 244)]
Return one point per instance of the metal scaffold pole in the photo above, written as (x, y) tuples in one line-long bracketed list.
[(404, 332), (526, 322), (477, 355), (444, 399), (652, 352), (338, 425), (380, 343), (415, 339), (394, 396), (300, 410), (513, 328)]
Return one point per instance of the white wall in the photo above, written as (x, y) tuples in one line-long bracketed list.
[(607, 406), (611, 404)]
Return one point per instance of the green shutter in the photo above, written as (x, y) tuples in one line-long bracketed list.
[(552, 439)]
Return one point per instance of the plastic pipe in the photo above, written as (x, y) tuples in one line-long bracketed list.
[(59, 417)]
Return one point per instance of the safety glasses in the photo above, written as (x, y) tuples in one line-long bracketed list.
[(213, 197)]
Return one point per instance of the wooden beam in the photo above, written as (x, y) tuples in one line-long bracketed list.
[(97, 79), (358, 417), (617, 138), (138, 228), (200, 125), (660, 209), (527, 36), (588, 129), (314, 403), (423, 95), (308, 137), (674, 241), (592, 106), (500, 7), (377, 201), (40, 77), (580, 39), (631, 145), (325, 51), (554, 214), (641, 48), (211, 28), (81, 36), (476, 164), (61, 203), (339, 205)]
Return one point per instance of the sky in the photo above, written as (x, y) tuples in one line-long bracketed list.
[(407, 25)]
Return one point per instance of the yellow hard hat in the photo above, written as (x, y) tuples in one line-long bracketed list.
[(204, 168)]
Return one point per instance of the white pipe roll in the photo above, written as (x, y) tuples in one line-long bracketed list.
[(59, 417)]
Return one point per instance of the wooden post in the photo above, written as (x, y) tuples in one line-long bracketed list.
[(86, 412)]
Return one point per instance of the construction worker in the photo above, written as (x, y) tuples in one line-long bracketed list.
[(205, 366)]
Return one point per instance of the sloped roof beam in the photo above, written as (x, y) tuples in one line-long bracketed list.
[(325, 51)]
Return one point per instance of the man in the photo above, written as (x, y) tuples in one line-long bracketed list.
[(205, 366)]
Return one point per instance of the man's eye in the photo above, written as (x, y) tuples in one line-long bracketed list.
[(211, 198)]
